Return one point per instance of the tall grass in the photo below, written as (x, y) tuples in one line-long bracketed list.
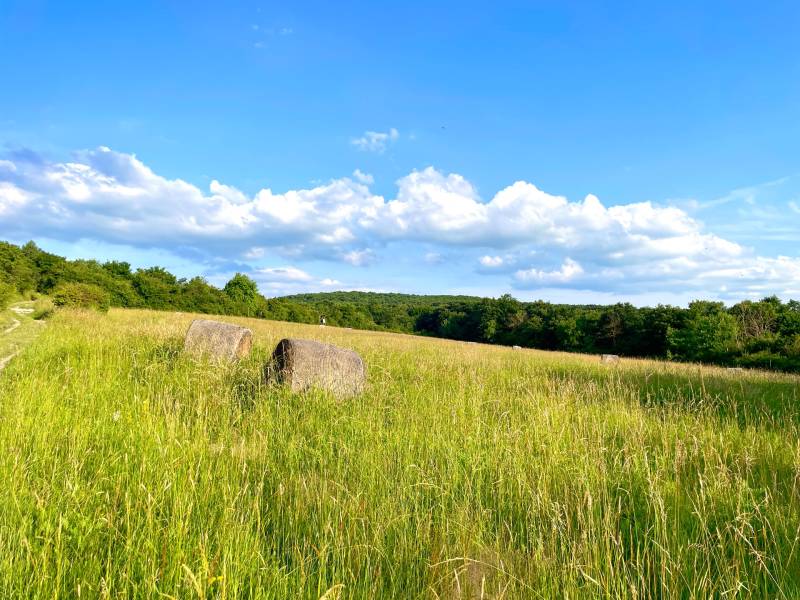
[(465, 471)]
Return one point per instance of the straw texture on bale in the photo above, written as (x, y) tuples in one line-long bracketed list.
[(218, 341), (303, 364), (607, 359)]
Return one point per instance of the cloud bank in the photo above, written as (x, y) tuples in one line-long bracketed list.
[(532, 238)]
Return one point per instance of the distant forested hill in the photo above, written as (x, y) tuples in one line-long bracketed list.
[(764, 333)]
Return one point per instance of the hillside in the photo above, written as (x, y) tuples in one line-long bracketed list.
[(464, 471)]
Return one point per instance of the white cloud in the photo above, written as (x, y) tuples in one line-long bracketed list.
[(568, 272), (359, 258), (364, 178), (282, 274), (291, 280), (795, 206), (254, 253), (491, 261), (375, 141), (433, 258), (537, 238), (11, 198)]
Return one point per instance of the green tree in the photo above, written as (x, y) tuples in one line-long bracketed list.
[(243, 293), (118, 268), (710, 334), (158, 287), (241, 288)]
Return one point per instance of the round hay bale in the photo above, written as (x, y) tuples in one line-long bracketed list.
[(517, 347), (218, 341), (303, 364), (608, 359)]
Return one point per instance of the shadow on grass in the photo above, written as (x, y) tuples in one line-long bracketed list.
[(749, 399)]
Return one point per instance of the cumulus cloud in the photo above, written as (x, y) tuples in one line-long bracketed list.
[(359, 258), (491, 261), (362, 177), (11, 198), (282, 274), (569, 271), (376, 141), (537, 238), (290, 280)]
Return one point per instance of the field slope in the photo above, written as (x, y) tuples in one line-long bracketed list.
[(465, 471)]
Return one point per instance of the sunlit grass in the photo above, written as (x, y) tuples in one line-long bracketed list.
[(16, 330), (464, 471)]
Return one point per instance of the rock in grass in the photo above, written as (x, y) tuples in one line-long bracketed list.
[(608, 359), (303, 364), (218, 341)]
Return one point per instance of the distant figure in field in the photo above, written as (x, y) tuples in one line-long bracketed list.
[(322, 321)]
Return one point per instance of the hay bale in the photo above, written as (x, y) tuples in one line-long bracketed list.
[(517, 347), (303, 364), (218, 341), (608, 359)]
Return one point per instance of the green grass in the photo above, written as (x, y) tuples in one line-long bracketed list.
[(465, 471), (17, 330)]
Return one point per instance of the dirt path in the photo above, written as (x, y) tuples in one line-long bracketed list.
[(14, 324), (22, 332), (4, 361)]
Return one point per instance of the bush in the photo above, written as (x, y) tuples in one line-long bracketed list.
[(81, 295), (7, 292), (43, 307)]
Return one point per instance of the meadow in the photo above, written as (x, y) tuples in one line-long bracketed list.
[(464, 471)]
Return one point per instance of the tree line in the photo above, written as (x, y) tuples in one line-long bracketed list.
[(763, 334)]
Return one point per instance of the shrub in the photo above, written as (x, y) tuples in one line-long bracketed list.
[(42, 308), (81, 295), (7, 292)]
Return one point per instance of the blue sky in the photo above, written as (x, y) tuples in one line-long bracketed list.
[(586, 152)]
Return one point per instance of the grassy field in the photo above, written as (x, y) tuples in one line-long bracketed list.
[(465, 471)]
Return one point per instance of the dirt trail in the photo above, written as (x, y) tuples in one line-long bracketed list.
[(5, 360), (21, 332), (15, 323)]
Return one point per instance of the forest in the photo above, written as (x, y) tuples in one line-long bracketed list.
[(752, 334)]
